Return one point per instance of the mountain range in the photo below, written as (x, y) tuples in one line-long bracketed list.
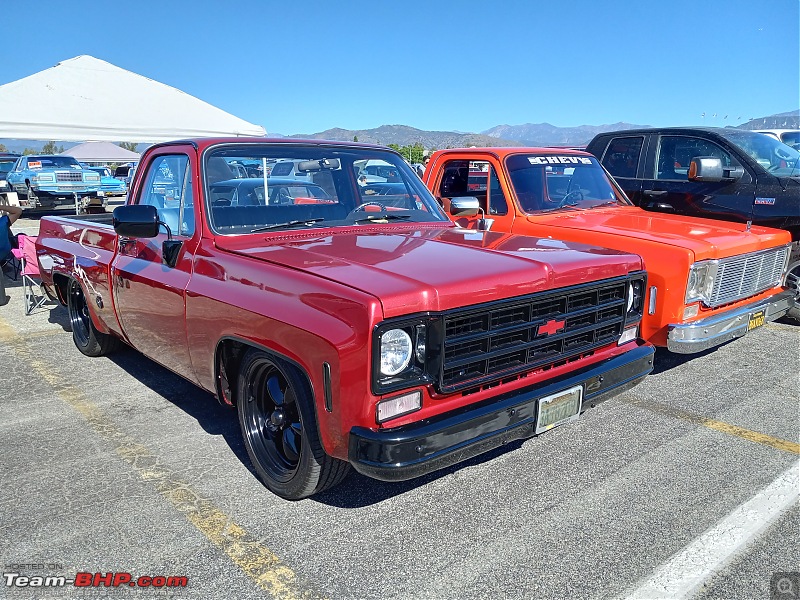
[(528, 134)]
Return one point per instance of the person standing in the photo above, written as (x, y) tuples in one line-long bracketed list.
[(12, 214)]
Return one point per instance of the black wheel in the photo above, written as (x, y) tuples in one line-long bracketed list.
[(279, 427), (86, 337)]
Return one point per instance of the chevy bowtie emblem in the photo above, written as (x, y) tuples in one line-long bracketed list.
[(550, 327)]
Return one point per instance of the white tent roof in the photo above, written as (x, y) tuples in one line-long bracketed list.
[(85, 98), (101, 152)]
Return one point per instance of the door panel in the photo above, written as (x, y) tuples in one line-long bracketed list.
[(666, 187), (150, 295)]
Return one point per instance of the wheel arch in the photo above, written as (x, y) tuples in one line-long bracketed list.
[(65, 280), (228, 355), (61, 285)]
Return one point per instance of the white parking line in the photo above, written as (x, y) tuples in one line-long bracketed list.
[(686, 571)]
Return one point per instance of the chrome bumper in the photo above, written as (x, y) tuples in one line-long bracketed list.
[(707, 333)]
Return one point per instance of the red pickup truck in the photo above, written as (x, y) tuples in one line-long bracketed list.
[(348, 325), (708, 281)]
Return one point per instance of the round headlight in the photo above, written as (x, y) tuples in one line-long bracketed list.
[(630, 297), (395, 351)]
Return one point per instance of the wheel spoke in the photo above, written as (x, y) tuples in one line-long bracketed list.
[(291, 444), (275, 391)]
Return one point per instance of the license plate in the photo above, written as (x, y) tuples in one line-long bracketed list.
[(560, 408), (756, 319)]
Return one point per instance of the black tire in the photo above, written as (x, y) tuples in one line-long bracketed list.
[(793, 280), (86, 337), (30, 195), (279, 427)]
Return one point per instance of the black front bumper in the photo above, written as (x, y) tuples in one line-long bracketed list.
[(418, 448)]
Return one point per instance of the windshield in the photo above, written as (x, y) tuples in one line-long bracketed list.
[(310, 186), (774, 156), (7, 164), (52, 162), (546, 183)]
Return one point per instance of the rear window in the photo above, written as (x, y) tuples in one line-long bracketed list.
[(622, 156), (282, 169)]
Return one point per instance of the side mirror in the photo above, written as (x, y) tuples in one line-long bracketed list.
[(465, 206), (136, 221), (710, 169), (705, 168)]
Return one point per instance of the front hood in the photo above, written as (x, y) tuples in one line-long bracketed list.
[(431, 269), (706, 238)]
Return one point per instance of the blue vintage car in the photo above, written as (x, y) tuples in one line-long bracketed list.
[(48, 181), (110, 185)]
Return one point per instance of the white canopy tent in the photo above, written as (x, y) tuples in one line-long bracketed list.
[(85, 98), (101, 152)]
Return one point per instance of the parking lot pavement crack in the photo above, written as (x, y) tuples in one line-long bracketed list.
[(259, 563)]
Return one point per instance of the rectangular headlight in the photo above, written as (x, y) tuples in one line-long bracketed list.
[(44, 177), (701, 281)]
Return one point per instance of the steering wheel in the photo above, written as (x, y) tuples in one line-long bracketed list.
[(363, 206), (577, 194), (221, 202)]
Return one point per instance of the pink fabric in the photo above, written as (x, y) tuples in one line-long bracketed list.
[(27, 247)]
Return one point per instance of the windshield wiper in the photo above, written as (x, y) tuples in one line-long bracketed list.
[(384, 217), (567, 205), (609, 203), (287, 224)]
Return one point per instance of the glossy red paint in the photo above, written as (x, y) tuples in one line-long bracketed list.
[(312, 297)]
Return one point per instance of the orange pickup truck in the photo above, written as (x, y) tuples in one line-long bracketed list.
[(709, 281)]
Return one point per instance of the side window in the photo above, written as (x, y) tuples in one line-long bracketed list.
[(455, 179), (675, 154), (475, 178), (621, 158), (168, 187)]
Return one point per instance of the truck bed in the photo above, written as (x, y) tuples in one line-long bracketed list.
[(102, 218)]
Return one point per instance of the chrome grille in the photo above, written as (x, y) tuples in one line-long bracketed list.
[(69, 176), (743, 276), (499, 339)]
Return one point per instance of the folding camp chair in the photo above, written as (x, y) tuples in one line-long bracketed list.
[(10, 266), (31, 281)]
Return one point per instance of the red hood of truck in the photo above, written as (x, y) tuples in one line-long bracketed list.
[(430, 269), (706, 238)]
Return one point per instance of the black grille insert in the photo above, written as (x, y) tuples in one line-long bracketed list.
[(497, 339)]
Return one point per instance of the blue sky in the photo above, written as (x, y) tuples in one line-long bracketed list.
[(463, 65)]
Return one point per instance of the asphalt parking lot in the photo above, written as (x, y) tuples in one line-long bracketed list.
[(685, 486)]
